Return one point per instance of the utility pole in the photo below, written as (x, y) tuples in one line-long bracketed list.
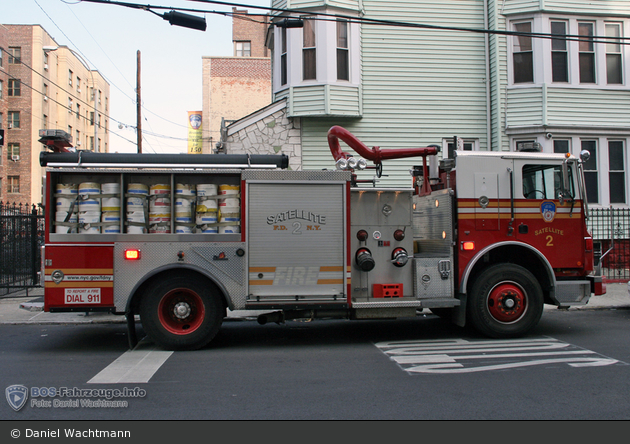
[(139, 108)]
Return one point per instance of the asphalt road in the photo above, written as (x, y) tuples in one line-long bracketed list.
[(574, 366)]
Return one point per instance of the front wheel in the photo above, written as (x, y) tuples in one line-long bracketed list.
[(505, 301), (182, 312)]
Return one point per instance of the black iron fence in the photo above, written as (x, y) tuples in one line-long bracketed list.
[(21, 236), (610, 228)]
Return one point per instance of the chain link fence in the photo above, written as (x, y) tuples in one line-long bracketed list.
[(21, 236)]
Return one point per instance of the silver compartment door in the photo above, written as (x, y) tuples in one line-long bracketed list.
[(296, 242)]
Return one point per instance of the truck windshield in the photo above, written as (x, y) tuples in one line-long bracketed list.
[(545, 182)]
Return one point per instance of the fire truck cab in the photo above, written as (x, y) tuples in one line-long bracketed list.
[(484, 238)]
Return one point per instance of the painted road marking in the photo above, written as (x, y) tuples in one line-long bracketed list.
[(134, 366), (464, 356)]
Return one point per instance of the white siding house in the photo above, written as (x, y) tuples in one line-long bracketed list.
[(406, 73)]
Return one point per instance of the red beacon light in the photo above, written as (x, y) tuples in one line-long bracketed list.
[(132, 255)]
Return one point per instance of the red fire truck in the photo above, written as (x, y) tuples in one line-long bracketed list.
[(483, 238)]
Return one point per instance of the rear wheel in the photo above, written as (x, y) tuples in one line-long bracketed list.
[(182, 312), (505, 301)]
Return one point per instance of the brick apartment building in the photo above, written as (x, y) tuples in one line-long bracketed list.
[(44, 86), (236, 86)]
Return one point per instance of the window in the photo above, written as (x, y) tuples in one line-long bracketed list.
[(1, 57), (616, 168), (590, 171), (243, 49), (13, 185), (45, 121), (92, 118), (309, 59), (78, 110), (544, 182), (342, 51), (1, 89), (561, 146), (522, 53), (283, 57), (559, 54), (15, 54), (613, 54), (70, 77), (14, 119), (586, 52), (14, 88), (13, 149), (78, 84)]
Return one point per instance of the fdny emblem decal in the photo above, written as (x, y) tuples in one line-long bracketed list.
[(548, 211)]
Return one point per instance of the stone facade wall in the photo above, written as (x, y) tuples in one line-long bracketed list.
[(274, 134)]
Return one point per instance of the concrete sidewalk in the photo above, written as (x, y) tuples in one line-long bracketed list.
[(20, 308)]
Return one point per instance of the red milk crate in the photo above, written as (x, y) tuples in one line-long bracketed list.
[(387, 290)]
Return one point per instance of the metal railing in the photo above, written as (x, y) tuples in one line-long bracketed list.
[(610, 228), (21, 236)]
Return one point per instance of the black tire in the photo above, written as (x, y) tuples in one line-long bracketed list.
[(182, 312), (505, 301)]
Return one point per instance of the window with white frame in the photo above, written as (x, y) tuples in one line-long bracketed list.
[(243, 49), (562, 146), (283, 57), (522, 53), (13, 184), (343, 62), (617, 173), (309, 51), (614, 58), (559, 52), (586, 52), (591, 175)]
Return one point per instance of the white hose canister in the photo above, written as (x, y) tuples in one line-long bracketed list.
[(159, 229), (229, 190), (111, 222), (136, 217), (183, 229), (183, 217), (86, 219), (64, 204), (206, 218), (110, 188), (207, 206), (230, 214), (67, 188), (155, 217), (229, 202), (159, 188), (182, 189), (207, 189), (227, 229), (208, 229), (61, 216), (87, 202), (138, 188), (136, 229), (162, 204)]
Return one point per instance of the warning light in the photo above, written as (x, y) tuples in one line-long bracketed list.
[(468, 246), (132, 255)]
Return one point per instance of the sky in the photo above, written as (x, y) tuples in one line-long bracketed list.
[(108, 37)]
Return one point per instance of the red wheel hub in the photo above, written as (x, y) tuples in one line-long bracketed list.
[(181, 311), (507, 302)]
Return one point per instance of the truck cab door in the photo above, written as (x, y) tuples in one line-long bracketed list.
[(548, 215)]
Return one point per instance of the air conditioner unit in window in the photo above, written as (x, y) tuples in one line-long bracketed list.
[(46, 66), (78, 89), (45, 99), (15, 157), (10, 125)]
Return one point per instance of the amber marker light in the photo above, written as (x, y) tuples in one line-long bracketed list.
[(132, 255), (468, 246)]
